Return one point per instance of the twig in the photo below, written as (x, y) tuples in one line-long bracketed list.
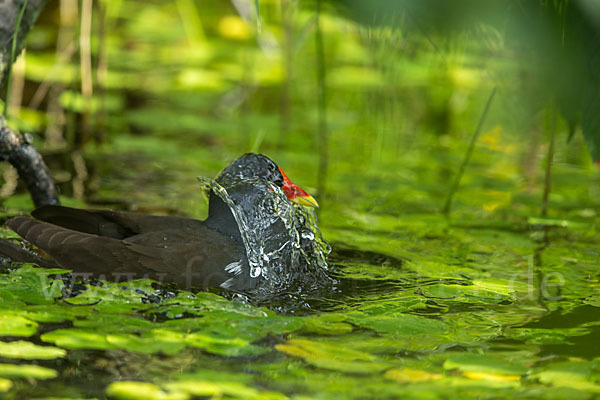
[(550, 156), (18, 150)]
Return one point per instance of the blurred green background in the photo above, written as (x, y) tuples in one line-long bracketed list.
[(130, 100)]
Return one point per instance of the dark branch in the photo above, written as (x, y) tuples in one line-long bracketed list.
[(18, 150)]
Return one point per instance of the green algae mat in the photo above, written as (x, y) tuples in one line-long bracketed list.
[(425, 307), (492, 302)]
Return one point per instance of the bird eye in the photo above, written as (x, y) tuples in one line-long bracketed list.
[(278, 178)]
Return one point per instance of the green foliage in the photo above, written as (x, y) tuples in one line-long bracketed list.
[(29, 351), (484, 364), (5, 385), (26, 371), (141, 390), (579, 375), (15, 325)]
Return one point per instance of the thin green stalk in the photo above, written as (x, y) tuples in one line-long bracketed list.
[(548, 175), (463, 166), (258, 25), (13, 50)]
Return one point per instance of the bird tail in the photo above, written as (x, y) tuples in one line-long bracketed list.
[(18, 254)]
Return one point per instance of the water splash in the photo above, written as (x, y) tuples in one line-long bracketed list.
[(284, 246)]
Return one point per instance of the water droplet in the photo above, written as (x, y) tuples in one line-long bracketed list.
[(282, 240)]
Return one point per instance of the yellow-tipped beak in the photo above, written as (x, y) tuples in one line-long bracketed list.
[(307, 201), (296, 194)]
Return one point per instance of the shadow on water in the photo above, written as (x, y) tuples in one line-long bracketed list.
[(585, 346)]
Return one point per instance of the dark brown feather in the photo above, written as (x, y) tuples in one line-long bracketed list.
[(186, 256)]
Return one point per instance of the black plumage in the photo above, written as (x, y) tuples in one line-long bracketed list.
[(121, 246)]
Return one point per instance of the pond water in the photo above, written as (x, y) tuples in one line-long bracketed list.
[(491, 302)]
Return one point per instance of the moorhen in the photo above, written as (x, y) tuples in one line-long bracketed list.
[(260, 234)]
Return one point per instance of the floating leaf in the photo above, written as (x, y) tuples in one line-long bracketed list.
[(196, 387), (32, 285), (155, 342), (572, 374), (9, 300), (26, 371), (113, 323), (400, 324), (500, 286), (128, 390), (29, 351), (407, 375), (328, 356), (15, 325), (327, 324), (491, 377), (5, 385), (222, 389), (486, 364), (77, 339), (224, 346)]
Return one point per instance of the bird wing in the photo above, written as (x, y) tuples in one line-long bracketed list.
[(112, 224), (84, 252), (190, 258)]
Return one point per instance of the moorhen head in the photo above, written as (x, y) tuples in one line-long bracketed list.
[(260, 236)]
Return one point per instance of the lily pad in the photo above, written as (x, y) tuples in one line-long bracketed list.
[(224, 346), (113, 323), (151, 343), (5, 385), (486, 364), (328, 356), (327, 324), (77, 339), (29, 351), (128, 390), (222, 389), (408, 375), (32, 285), (399, 324), (574, 374), (26, 371), (16, 325)]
